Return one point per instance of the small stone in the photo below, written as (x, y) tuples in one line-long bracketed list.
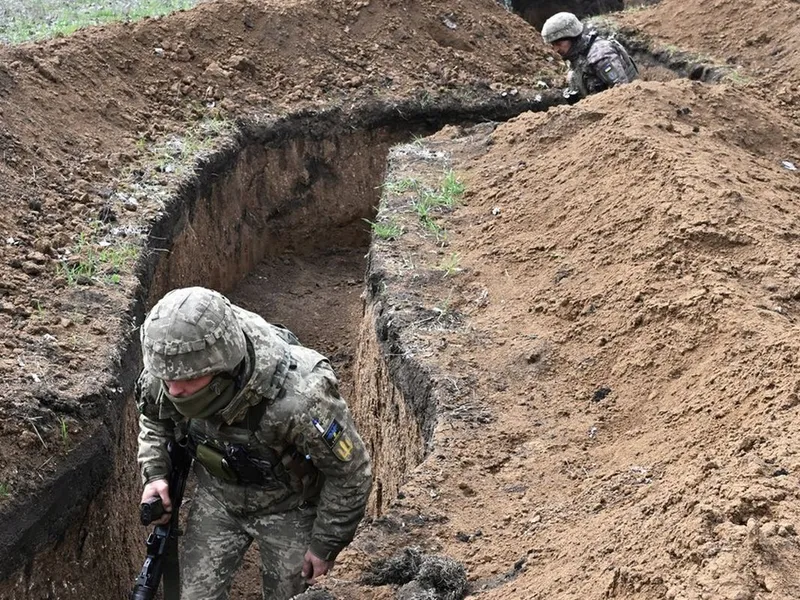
[(601, 393), (28, 439), (769, 529), (242, 63), (31, 268), (214, 70)]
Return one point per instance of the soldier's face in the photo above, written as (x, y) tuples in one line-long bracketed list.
[(562, 46), (187, 387)]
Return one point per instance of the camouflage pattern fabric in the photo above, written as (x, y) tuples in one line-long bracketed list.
[(189, 333), (216, 540), (304, 412), (561, 26), (598, 64)]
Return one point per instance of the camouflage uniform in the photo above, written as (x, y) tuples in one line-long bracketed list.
[(285, 411), (597, 64)]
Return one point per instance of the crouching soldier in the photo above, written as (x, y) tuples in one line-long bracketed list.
[(595, 63), (277, 456)]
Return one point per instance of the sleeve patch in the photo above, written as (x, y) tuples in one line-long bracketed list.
[(610, 72), (336, 439), (332, 433)]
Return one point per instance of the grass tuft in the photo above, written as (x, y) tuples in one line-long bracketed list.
[(388, 230), (401, 186), (431, 201), (91, 261), (450, 265), (736, 77), (64, 432)]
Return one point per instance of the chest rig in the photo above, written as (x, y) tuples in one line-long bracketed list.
[(234, 453)]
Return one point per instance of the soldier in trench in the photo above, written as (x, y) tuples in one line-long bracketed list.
[(277, 456), (595, 63)]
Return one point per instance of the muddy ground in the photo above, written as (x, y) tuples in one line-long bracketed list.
[(610, 320)]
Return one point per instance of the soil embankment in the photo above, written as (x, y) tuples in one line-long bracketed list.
[(614, 332), (603, 329)]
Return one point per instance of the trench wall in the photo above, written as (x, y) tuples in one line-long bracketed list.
[(536, 12), (292, 183), (392, 429), (257, 198)]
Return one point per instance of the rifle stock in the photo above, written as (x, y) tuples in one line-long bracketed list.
[(162, 543)]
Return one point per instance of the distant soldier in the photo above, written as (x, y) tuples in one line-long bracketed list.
[(277, 456), (595, 63)]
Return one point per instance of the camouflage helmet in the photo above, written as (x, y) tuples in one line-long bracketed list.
[(561, 25), (189, 333)]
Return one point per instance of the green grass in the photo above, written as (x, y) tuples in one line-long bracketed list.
[(431, 201), (736, 77), (93, 261), (4, 490), (178, 154), (452, 189), (450, 265), (64, 432), (424, 207), (31, 20), (387, 230), (400, 186)]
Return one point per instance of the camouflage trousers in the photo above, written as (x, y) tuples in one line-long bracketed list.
[(216, 541)]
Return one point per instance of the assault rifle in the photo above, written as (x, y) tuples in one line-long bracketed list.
[(162, 543)]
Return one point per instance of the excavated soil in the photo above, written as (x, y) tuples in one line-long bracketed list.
[(606, 333), (94, 128), (616, 350)]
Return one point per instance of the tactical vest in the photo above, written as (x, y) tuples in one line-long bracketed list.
[(228, 444), (583, 79)]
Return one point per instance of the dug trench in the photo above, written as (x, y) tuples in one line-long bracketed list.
[(279, 221)]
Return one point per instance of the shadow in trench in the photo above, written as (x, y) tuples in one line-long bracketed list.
[(536, 12)]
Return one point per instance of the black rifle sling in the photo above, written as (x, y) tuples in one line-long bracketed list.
[(181, 464), (171, 576)]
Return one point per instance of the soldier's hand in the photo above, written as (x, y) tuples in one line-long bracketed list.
[(160, 488), (314, 567)]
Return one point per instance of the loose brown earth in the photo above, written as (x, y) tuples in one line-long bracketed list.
[(614, 348), (79, 114)]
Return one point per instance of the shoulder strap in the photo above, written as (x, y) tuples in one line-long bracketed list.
[(285, 334), (275, 390)]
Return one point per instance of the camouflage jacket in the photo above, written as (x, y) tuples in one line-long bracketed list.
[(597, 64), (304, 414)]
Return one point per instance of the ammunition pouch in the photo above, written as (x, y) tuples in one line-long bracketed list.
[(234, 464), (215, 463)]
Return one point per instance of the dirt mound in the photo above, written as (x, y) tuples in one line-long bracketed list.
[(94, 127), (610, 317), (620, 352), (761, 36)]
